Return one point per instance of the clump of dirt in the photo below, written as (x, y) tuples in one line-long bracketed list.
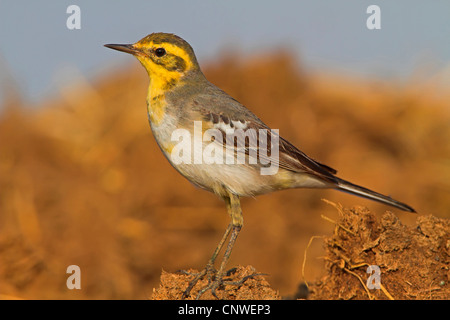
[(413, 261), (173, 285)]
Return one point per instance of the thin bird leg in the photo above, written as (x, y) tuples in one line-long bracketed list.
[(220, 245), (210, 264), (224, 237), (209, 269), (237, 221), (215, 280)]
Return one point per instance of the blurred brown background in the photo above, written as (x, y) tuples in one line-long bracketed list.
[(83, 182)]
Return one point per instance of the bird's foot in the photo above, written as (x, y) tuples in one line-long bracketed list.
[(209, 272), (215, 280)]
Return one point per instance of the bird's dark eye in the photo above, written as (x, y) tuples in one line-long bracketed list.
[(159, 52)]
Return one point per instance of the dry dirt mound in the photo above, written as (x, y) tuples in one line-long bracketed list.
[(413, 263), (254, 288)]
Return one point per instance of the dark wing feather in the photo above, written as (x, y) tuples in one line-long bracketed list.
[(290, 158)]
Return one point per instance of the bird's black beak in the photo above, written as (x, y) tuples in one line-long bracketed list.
[(128, 48)]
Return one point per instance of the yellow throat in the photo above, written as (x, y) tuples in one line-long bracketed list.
[(167, 58), (163, 74)]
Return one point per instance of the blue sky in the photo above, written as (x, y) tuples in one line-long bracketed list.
[(35, 44)]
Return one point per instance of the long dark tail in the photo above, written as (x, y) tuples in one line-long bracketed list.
[(372, 195)]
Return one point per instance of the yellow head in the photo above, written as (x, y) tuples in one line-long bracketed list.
[(165, 56)]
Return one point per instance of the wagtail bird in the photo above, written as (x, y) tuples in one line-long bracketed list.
[(181, 102)]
